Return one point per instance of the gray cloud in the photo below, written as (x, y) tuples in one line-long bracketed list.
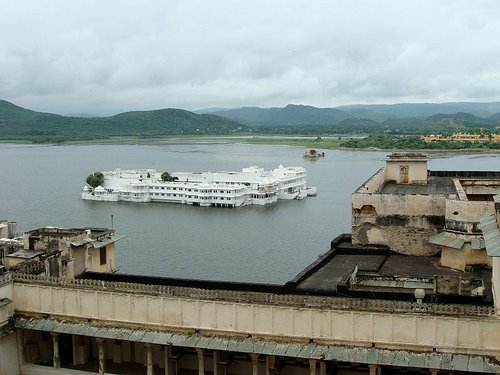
[(107, 57)]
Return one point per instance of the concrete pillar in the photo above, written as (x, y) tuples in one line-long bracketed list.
[(201, 361), (322, 368), (312, 367), (100, 356), (255, 363), (55, 344), (268, 365), (215, 360), (20, 346), (433, 371), (374, 369), (167, 360), (116, 352), (75, 341), (149, 359)]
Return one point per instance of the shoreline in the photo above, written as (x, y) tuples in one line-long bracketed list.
[(307, 142)]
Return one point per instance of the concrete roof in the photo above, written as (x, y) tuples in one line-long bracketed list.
[(330, 276), (25, 254), (435, 186)]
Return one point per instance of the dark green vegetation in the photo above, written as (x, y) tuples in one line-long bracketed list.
[(95, 179), (165, 176), (19, 124), (386, 141)]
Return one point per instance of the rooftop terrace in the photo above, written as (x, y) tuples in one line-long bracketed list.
[(389, 276), (435, 185)]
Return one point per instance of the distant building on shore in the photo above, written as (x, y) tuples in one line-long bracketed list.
[(462, 137)]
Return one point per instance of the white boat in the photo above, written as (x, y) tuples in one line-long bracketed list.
[(311, 191), (253, 185)]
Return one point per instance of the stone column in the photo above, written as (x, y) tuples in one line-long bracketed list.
[(100, 348), (55, 344), (21, 346), (215, 360), (433, 371), (201, 361), (322, 368), (268, 365), (255, 363), (149, 359), (312, 367), (167, 360), (374, 369)]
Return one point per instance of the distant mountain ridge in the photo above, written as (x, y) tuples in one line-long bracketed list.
[(20, 123), (292, 114), (309, 115), (421, 110), (17, 123)]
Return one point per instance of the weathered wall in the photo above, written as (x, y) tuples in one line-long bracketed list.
[(458, 333), (417, 171), (402, 222), (9, 363), (109, 266), (374, 183), (459, 258), (6, 286), (464, 215), (495, 279)]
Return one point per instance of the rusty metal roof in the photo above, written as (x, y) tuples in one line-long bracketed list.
[(491, 234), (292, 349), (106, 241), (447, 239)]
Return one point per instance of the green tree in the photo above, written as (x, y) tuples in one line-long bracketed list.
[(165, 176), (95, 179)]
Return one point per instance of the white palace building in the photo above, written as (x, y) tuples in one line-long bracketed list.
[(253, 185)]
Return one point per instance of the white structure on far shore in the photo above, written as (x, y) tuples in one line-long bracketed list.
[(253, 185)]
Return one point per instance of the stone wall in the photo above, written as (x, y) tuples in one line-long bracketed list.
[(9, 361), (402, 222), (6, 286), (374, 183), (463, 215), (459, 259), (495, 280)]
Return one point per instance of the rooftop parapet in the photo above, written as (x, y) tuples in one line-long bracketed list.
[(293, 300), (407, 156)]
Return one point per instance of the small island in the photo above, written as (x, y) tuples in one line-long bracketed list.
[(313, 154)]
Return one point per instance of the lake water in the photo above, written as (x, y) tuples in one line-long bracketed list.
[(41, 186)]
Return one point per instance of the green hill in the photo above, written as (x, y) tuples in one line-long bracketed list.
[(17, 123), (421, 110), (495, 117), (20, 124)]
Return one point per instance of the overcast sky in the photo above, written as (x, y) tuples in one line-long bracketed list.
[(105, 57)]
